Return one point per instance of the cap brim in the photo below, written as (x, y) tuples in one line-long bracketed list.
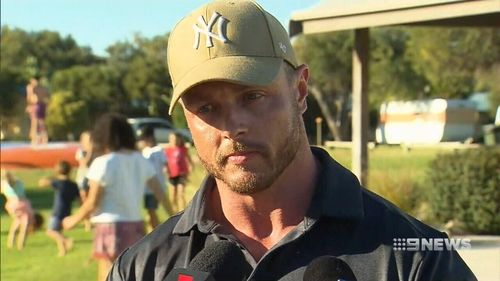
[(252, 71)]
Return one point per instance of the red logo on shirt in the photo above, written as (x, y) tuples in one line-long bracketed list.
[(183, 277)]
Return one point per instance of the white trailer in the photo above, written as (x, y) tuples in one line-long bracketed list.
[(427, 121)]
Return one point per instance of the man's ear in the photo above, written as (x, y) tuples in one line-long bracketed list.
[(302, 79)]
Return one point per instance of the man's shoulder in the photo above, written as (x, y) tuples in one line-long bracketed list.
[(394, 221), (159, 239), (153, 256), (377, 214)]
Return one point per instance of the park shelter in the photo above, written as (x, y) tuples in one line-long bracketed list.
[(360, 16)]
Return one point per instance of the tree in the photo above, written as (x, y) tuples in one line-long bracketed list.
[(14, 72), (488, 82), (54, 52), (147, 78), (329, 57), (487, 75), (12, 105), (14, 50), (405, 63), (11, 99), (68, 116), (449, 58), (141, 69), (46, 49), (94, 85), (25, 54), (392, 75)]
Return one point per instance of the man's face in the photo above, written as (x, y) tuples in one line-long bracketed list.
[(245, 136)]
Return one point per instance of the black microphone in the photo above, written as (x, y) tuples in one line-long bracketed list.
[(328, 268), (222, 260)]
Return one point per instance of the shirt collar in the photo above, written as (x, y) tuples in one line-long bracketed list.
[(337, 194), (194, 214)]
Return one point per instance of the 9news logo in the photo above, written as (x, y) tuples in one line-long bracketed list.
[(430, 244)]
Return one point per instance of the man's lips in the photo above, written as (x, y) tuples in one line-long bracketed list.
[(240, 157)]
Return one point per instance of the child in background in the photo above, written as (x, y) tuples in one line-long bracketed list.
[(178, 166), (19, 209), (66, 191), (37, 98), (83, 155), (154, 153), (117, 178)]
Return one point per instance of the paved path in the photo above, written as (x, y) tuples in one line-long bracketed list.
[(484, 257)]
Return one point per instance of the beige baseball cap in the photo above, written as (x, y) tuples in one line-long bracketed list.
[(227, 40)]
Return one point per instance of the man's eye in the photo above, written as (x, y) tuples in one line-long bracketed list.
[(253, 96), (205, 109)]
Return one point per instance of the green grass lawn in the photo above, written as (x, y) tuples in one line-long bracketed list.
[(38, 260), (393, 172)]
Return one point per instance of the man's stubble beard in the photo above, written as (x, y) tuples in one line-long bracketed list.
[(254, 182)]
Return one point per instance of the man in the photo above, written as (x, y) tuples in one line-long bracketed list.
[(282, 202)]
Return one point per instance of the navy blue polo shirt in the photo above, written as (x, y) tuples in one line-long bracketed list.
[(343, 220)]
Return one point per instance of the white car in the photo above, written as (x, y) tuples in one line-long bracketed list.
[(162, 128)]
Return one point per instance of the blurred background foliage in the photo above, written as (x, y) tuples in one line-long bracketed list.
[(406, 63)]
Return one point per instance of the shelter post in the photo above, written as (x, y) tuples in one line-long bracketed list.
[(360, 58)]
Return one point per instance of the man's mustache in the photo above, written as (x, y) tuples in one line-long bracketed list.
[(227, 149)]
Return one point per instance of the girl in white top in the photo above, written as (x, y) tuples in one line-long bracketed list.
[(154, 153), (117, 180), (84, 156)]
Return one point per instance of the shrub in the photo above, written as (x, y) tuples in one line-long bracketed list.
[(399, 188), (465, 187)]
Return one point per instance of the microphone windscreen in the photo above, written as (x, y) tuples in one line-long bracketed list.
[(224, 260), (328, 268)]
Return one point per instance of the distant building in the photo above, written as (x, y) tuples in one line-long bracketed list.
[(427, 121)]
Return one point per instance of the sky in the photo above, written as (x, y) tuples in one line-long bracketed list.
[(100, 23)]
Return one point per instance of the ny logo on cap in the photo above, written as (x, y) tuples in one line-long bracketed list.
[(207, 30)]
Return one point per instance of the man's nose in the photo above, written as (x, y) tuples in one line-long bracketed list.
[(236, 123)]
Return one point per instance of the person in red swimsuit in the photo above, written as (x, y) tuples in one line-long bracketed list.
[(178, 166)]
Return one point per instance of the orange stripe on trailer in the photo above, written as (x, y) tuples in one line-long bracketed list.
[(410, 117)]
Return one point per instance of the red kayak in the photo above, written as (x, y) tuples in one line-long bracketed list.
[(25, 155)]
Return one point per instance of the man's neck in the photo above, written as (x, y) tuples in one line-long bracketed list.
[(261, 220)]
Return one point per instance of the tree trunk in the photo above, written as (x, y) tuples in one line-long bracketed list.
[(328, 113)]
